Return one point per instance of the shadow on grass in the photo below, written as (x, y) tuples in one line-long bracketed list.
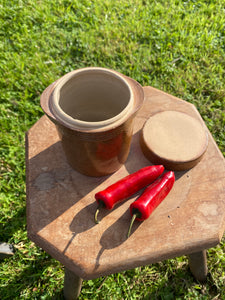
[(34, 281), (13, 224), (180, 283)]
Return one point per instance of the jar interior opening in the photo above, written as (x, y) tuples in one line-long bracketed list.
[(94, 96)]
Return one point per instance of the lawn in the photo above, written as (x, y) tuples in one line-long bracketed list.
[(175, 46)]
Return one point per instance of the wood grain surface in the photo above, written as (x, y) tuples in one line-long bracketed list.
[(61, 203)]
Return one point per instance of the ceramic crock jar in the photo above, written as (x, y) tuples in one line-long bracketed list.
[(93, 110)]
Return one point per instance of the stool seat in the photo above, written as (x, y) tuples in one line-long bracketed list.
[(61, 203)]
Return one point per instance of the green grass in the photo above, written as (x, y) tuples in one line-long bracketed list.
[(176, 46)]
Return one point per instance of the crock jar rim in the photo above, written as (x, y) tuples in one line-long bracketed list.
[(85, 125)]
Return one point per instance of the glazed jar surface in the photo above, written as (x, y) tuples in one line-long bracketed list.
[(93, 110)]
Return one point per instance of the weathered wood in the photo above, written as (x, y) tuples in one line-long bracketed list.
[(61, 204), (72, 285), (198, 265)]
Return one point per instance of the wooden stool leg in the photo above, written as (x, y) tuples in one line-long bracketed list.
[(72, 285), (198, 265)]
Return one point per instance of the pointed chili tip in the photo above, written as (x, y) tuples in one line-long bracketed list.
[(131, 224)]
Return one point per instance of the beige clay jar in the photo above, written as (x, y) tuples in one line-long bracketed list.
[(93, 110)]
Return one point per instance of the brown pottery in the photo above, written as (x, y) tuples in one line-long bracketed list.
[(93, 110)]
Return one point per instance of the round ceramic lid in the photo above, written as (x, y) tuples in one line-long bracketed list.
[(174, 139)]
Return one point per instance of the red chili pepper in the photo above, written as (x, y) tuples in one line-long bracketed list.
[(126, 187), (152, 196)]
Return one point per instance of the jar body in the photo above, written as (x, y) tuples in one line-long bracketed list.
[(97, 154), (93, 110)]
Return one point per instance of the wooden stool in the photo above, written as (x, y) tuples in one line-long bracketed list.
[(61, 207)]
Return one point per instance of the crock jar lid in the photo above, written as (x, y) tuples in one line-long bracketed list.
[(174, 139)]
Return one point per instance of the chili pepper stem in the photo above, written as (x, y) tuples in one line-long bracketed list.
[(100, 205), (131, 224), (96, 216)]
